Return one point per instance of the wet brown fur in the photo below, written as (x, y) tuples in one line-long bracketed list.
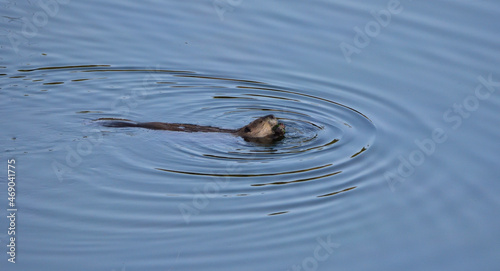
[(264, 129)]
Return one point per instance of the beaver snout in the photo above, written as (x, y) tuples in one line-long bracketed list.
[(271, 119), (263, 129)]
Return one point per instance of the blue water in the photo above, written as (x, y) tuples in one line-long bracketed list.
[(389, 160)]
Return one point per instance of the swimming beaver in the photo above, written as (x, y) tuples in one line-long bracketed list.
[(265, 129)]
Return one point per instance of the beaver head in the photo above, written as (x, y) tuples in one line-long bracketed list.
[(264, 129)]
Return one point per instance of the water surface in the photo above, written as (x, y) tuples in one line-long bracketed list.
[(389, 161)]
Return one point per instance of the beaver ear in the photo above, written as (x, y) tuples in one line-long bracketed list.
[(247, 130)]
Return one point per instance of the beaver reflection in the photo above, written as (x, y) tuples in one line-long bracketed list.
[(265, 129)]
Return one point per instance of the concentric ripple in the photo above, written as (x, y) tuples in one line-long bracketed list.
[(322, 135)]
